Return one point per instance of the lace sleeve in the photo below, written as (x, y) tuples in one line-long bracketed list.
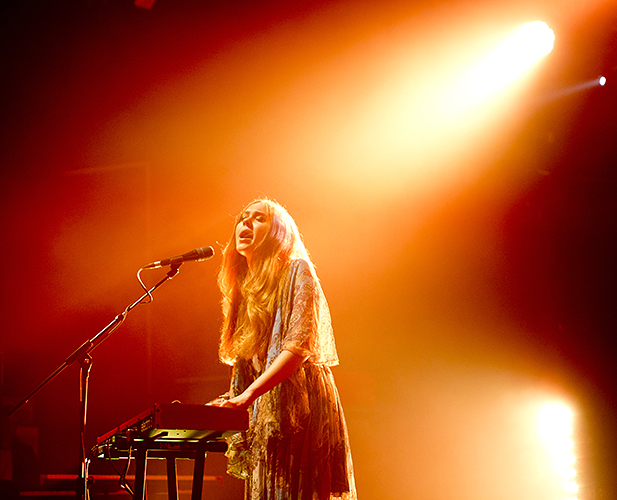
[(309, 330)]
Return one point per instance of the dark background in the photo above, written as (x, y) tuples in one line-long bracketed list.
[(131, 135)]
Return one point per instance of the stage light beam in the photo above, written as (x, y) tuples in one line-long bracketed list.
[(502, 66)]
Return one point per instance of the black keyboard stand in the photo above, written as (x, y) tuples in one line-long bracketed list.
[(171, 450)]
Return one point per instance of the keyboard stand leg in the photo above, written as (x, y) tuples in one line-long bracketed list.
[(172, 478), (140, 473), (198, 475)]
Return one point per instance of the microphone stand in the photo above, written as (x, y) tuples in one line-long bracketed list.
[(82, 356)]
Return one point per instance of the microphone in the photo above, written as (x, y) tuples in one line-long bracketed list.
[(197, 255)]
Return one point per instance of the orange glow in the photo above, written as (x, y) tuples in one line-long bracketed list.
[(374, 123), (387, 121)]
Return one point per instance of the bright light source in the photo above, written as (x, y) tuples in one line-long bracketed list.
[(602, 81), (503, 65), (555, 427), (555, 422), (518, 53), (536, 40)]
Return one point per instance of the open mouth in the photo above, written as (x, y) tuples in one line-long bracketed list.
[(245, 235)]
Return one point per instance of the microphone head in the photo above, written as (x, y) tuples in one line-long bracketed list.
[(204, 253), (196, 255)]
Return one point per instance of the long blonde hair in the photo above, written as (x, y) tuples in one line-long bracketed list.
[(250, 297)]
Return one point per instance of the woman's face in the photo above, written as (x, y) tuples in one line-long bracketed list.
[(252, 229)]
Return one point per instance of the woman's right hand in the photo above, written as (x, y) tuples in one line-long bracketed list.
[(219, 400)]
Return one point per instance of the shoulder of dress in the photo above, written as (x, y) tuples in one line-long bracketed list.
[(302, 269), (300, 264)]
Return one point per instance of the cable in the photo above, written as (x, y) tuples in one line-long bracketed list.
[(144, 287), (122, 481)]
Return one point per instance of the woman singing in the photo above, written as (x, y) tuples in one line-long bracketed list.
[(278, 338)]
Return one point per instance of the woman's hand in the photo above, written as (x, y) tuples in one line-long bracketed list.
[(243, 401), (283, 366), (218, 401)]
